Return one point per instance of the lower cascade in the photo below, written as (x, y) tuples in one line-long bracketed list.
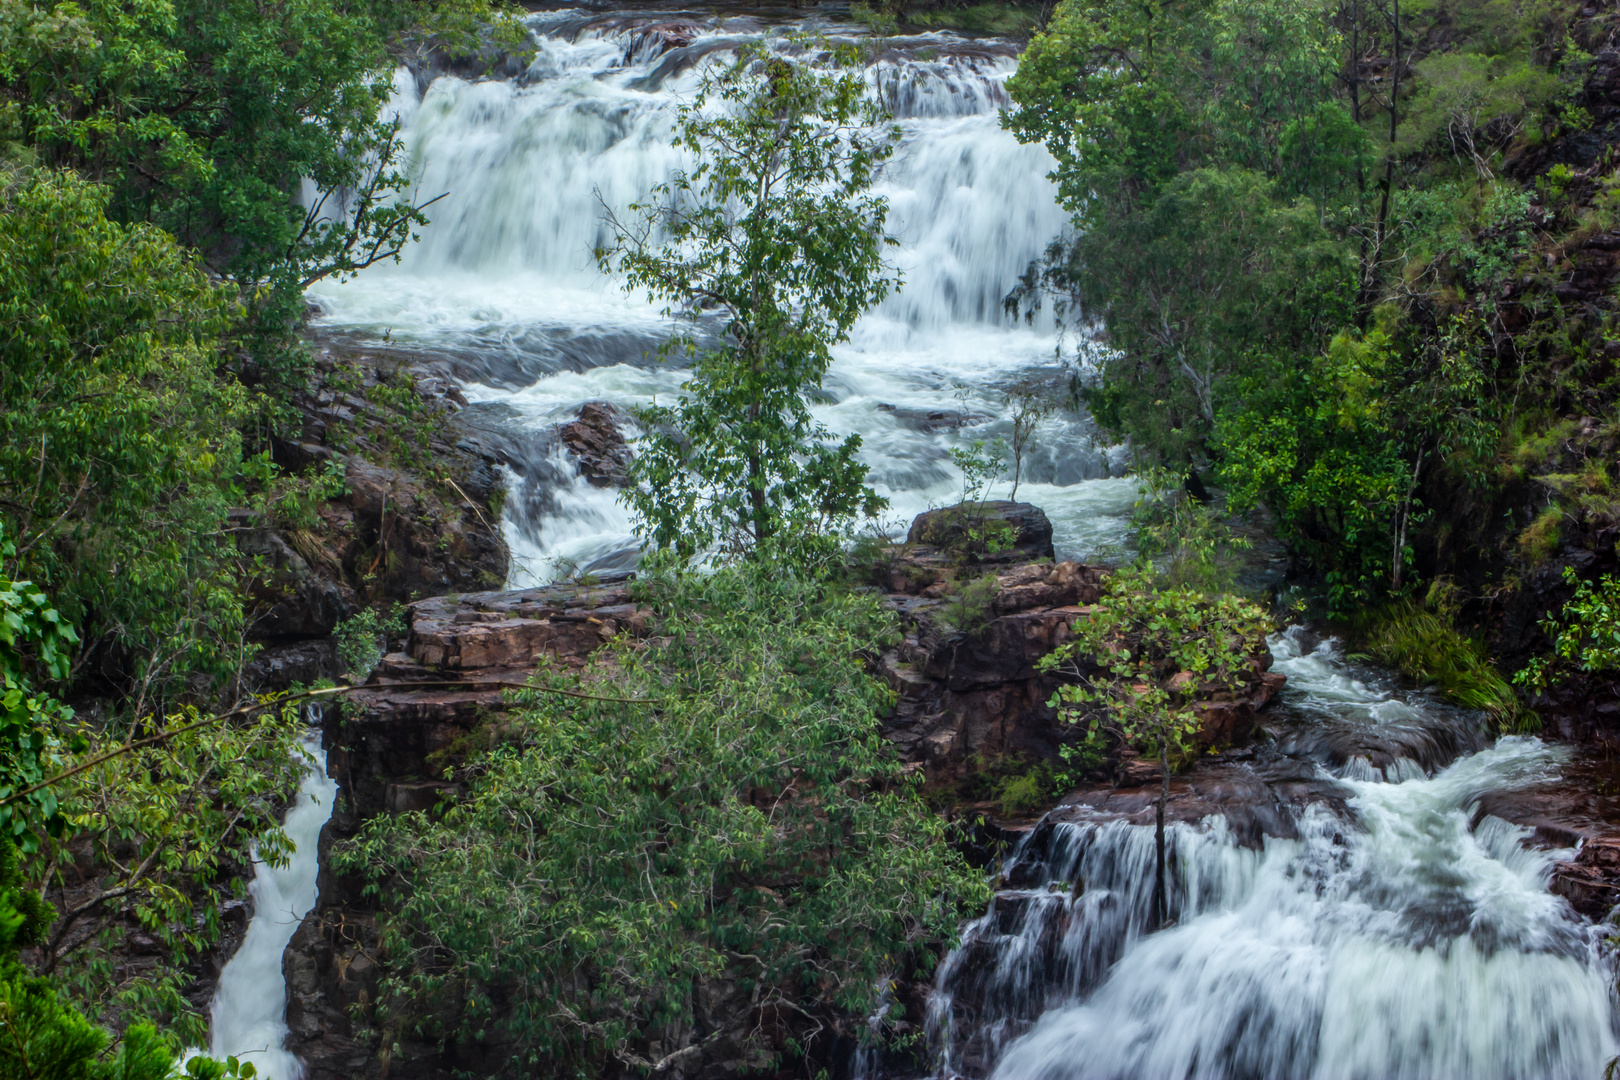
[(248, 1015), (1398, 932)]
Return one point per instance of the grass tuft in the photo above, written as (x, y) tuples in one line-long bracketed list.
[(1424, 645)]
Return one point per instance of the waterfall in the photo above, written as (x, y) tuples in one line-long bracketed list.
[(248, 1015), (1384, 929), (1397, 934), (503, 281)]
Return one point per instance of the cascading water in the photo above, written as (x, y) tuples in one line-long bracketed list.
[(504, 280), (248, 1016), (1384, 929), (1396, 933)]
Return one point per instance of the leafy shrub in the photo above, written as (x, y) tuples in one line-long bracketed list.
[(363, 640), (1032, 789), (610, 862), (1585, 633), (154, 819), (1137, 664), (970, 608)]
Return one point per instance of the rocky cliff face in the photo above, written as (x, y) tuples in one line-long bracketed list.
[(969, 699), (417, 513)]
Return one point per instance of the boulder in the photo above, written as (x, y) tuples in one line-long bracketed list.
[(596, 441), (950, 529)]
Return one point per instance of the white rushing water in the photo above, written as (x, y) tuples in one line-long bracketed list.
[(1400, 935), (1393, 933), (248, 1015), (504, 279)]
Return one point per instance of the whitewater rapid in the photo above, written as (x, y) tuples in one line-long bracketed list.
[(1398, 934), (248, 1014), (504, 280)]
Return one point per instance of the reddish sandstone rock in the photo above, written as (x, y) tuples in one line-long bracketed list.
[(596, 441)]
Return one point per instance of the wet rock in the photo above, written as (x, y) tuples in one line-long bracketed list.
[(281, 664), (969, 695), (929, 421), (287, 596), (596, 441), (1578, 810), (1259, 793), (949, 528), (462, 655)]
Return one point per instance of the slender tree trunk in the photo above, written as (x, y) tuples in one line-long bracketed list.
[(1370, 271), (756, 498), (1161, 899)]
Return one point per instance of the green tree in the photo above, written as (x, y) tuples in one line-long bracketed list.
[(1126, 95), (205, 116), (119, 444), (743, 823), (775, 235), (1137, 664), (1200, 289)]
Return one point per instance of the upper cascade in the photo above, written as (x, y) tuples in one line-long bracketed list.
[(530, 164)]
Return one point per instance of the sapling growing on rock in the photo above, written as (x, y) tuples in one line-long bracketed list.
[(774, 238), (1027, 404), (1140, 661)]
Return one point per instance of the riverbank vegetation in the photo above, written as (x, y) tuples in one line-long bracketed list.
[(153, 257), (720, 830), (1342, 257)]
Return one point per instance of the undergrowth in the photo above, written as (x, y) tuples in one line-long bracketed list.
[(1423, 643), (1002, 19)]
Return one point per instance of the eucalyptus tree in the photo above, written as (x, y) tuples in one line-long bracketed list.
[(767, 249)]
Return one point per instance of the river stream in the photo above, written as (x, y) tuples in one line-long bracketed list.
[(1383, 929)]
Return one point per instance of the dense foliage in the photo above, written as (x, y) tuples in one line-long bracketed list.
[(1586, 633), (1316, 280), (205, 118), (155, 819), (118, 443), (774, 234), (740, 833), (154, 247)]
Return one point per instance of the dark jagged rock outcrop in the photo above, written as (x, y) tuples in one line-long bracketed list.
[(596, 441), (396, 531), (970, 697), (1028, 530)]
